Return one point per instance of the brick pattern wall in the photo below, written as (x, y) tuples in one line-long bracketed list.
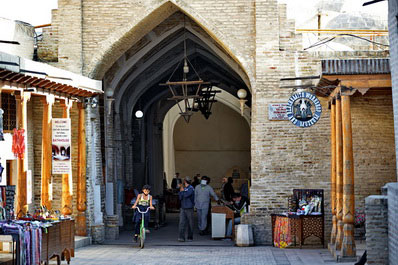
[(393, 188), (47, 49), (393, 223), (257, 34), (377, 229), (373, 142)]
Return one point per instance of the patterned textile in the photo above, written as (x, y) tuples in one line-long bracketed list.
[(283, 232), (29, 236), (18, 143)]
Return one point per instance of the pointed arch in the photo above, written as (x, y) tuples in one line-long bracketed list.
[(121, 40)]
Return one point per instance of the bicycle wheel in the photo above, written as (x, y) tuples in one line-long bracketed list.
[(142, 237)]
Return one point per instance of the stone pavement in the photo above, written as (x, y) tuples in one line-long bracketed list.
[(129, 254), (162, 247)]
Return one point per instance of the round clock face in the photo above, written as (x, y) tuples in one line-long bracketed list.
[(304, 109)]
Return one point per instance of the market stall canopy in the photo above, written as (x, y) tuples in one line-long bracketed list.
[(356, 75), (36, 77)]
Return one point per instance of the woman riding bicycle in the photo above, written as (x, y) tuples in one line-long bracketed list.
[(143, 201)]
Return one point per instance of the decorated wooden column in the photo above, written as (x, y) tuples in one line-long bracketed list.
[(67, 183), (348, 246), (339, 175), (81, 175), (22, 101), (333, 172), (46, 153)]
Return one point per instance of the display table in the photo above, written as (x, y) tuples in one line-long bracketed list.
[(292, 229), (58, 241)]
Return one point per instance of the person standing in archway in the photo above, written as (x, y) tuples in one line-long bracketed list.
[(202, 201), (229, 190), (176, 182), (187, 198)]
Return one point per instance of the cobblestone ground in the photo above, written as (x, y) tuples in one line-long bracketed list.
[(162, 247), (129, 254)]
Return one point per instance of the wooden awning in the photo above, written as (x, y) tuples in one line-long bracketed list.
[(20, 73), (359, 76)]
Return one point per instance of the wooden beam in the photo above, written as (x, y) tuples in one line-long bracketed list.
[(81, 175), (361, 83), (22, 207), (358, 77), (339, 175), (348, 247), (46, 157), (67, 182), (179, 83), (333, 173), (334, 93)]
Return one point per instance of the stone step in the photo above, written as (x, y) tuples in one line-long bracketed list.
[(82, 241)]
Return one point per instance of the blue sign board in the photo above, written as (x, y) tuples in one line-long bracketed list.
[(304, 109)]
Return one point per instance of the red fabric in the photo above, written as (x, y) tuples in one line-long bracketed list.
[(282, 232), (18, 143)]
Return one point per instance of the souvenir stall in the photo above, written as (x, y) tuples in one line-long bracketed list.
[(305, 218), (42, 228)]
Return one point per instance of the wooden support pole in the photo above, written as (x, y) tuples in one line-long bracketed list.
[(333, 173), (22, 207), (67, 178), (81, 174), (348, 248), (339, 175), (46, 155)]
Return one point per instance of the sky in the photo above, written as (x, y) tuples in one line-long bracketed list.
[(34, 12), (38, 12)]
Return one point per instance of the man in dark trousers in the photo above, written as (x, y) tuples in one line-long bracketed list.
[(187, 198), (176, 182)]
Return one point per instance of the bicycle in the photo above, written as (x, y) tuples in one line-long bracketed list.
[(142, 227)]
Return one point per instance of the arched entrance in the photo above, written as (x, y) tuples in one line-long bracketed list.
[(134, 146), (230, 116)]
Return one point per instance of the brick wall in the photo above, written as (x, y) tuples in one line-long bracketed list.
[(47, 47), (377, 229), (393, 223), (257, 35)]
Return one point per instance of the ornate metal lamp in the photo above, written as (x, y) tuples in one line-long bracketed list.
[(185, 92), (205, 103)]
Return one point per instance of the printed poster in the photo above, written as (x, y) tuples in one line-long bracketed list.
[(61, 146)]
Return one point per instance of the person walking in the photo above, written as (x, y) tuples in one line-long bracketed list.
[(187, 198), (202, 201)]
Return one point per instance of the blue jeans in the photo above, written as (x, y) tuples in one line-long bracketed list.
[(138, 216), (229, 228), (186, 220)]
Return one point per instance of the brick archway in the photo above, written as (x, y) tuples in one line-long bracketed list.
[(122, 39)]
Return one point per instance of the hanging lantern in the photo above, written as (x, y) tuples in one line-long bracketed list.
[(185, 92), (205, 103)]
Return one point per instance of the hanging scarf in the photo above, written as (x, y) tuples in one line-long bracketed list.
[(18, 143)]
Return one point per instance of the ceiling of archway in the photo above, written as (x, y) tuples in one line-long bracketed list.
[(135, 77)]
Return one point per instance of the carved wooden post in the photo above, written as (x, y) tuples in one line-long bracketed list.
[(348, 246), (81, 182), (67, 178), (339, 175), (333, 172), (22, 206), (46, 155)]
